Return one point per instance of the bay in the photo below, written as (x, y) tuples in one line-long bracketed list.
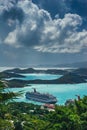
[(61, 91), (36, 76)]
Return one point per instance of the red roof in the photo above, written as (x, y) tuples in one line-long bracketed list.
[(49, 106)]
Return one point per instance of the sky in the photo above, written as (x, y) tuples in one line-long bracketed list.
[(40, 32)]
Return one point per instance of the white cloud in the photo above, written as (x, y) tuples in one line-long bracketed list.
[(6, 5), (43, 34)]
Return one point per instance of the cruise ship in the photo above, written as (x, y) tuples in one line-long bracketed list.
[(41, 97)]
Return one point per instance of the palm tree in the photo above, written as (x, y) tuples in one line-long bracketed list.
[(5, 96)]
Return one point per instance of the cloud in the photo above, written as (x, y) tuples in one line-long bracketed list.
[(10, 10), (10, 15), (61, 36), (29, 33), (40, 32)]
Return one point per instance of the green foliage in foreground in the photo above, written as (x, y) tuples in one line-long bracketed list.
[(24, 116), (5, 96)]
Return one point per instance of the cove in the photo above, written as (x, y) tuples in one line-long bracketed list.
[(61, 91)]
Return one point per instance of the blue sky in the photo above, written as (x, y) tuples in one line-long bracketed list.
[(36, 32)]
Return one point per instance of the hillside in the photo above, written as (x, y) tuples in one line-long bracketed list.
[(26, 116), (31, 70), (6, 74), (73, 77)]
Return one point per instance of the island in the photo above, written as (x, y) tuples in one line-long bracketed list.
[(70, 76)]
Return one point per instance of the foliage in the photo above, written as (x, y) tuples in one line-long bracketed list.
[(4, 96), (24, 116), (31, 117)]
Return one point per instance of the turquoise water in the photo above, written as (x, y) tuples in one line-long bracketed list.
[(37, 76), (62, 92)]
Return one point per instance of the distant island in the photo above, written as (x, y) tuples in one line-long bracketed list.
[(70, 76), (82, 64)]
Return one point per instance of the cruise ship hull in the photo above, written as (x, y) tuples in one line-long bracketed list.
[(40, 99)]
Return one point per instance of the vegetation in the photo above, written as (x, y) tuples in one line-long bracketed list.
[(24, 116), (4, 96), (31, 70), (5, 124), (72, 76), (5, 74)]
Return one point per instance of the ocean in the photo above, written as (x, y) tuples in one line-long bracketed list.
[(61, 91)]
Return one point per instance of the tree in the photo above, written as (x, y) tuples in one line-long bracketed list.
[(5, 96)]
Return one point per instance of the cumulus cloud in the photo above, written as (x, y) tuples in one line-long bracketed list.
[(62, 36), (10, 16), (42, 33), (29, 33), (10, 12)]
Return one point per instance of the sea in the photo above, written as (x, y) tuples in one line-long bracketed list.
[(62, 92), (34, 76)]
